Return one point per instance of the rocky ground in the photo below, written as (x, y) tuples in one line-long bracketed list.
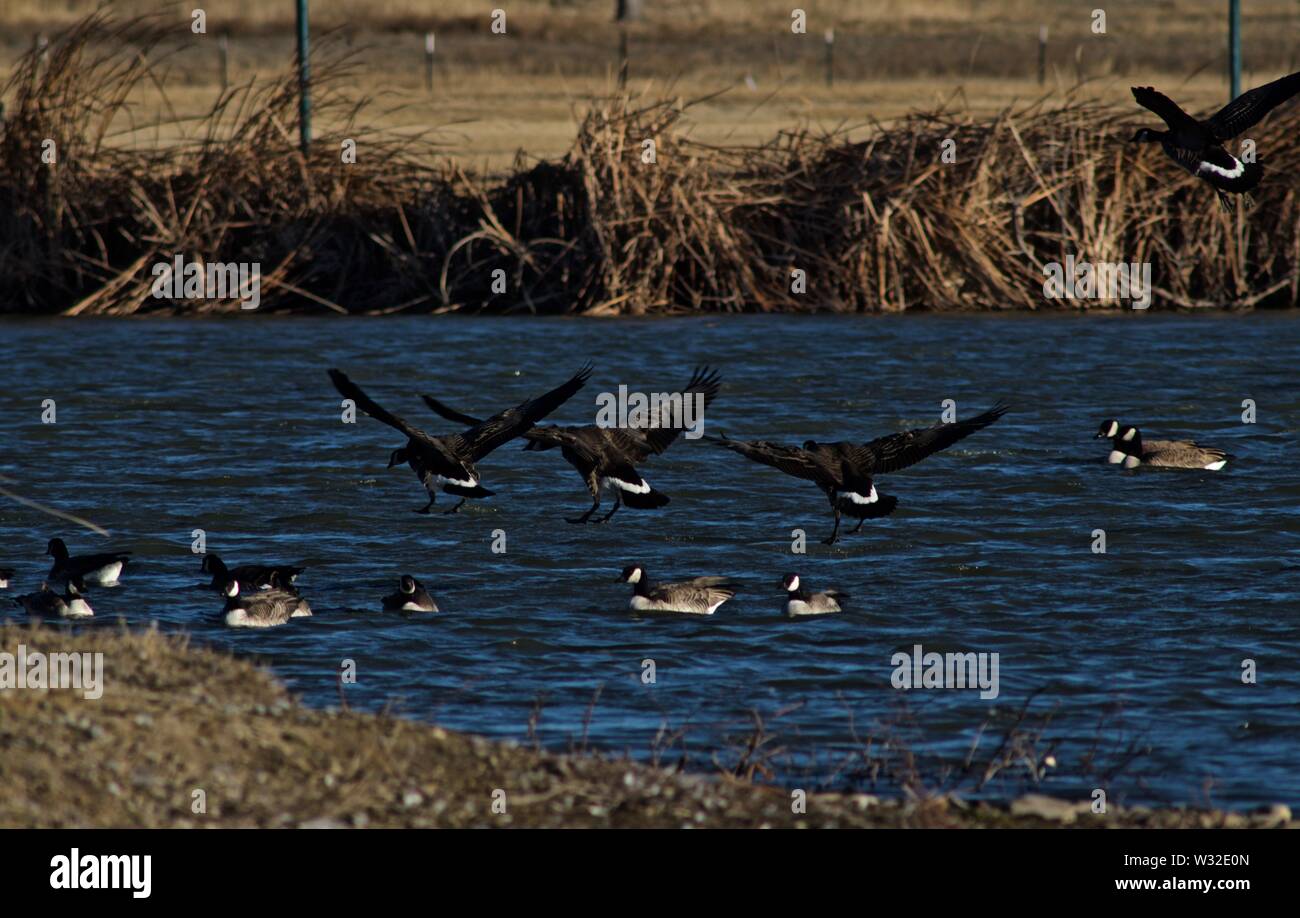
[(188, 737)]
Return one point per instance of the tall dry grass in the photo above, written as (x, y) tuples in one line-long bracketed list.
[(879, 225)]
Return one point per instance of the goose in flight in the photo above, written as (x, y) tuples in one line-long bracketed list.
[(1197, 145), (845, 472), (448, 463)]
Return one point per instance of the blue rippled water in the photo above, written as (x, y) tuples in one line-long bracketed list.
[(232, 427)]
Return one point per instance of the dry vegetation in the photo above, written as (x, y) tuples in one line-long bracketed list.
[(174, 720), (879, 224)]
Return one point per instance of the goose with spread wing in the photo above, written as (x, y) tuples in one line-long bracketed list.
[(1197, 145), (606, 457), (448, 463), (845, 472)]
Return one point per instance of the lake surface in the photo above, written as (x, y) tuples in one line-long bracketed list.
[(232, 427)]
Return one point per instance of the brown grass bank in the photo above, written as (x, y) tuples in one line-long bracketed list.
[(637, 218), (177, 726)]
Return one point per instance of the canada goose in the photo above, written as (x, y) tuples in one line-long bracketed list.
[(800, 601), (1197, 146), (1112, 430), (50, 604), (698, 596), (606, 457), (6, 574), (1174, 454), (844, 471), (257, 576), (448, 462), (411, 596), (103, 569), (262, 609)]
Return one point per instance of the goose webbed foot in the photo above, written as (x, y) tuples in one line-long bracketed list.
[(835, 533), (426, 508), (455, 509), (585, 517)]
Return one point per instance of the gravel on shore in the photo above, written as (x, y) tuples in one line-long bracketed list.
[(184, 736)]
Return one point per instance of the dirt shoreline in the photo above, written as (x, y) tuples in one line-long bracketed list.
[(178, 726)]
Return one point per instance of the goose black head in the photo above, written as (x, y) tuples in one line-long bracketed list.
[(633, 573), (213, 565), (791, 583), (398, 457), (408, 584), (1146, 135), (1108, 429), (57, 549)]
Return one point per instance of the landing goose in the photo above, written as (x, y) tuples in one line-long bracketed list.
[(256, 576), (606, 457), (698, 596), (50, 604), (103, 569), (800, 601), (411, 596), (845, 471), (1197, 146), (1174, 454), (448, 462), (262, 609)]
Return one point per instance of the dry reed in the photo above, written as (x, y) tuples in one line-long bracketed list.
[(878, 225)]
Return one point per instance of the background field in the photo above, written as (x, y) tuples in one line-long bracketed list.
[(496, 95)]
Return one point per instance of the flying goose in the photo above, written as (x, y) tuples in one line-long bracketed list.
[(1174, 454), (1197, 146), (6, 574), (103, 569), (448, 462), (411, 596), (844, 471), (800, 601), (262, 609), (698, 596), (50, 604), (606, 457), (1112, 430), (257, 576)]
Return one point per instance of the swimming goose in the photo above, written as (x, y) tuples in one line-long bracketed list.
[(1174, 454), (411, 596), (258, 576), (50, 604), (698, 596), (1112, 431), (6, 574), (448, 462), (262, 609), (103, 569), (1197, 146), (606, 457), (844, 471), (800, 601)]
